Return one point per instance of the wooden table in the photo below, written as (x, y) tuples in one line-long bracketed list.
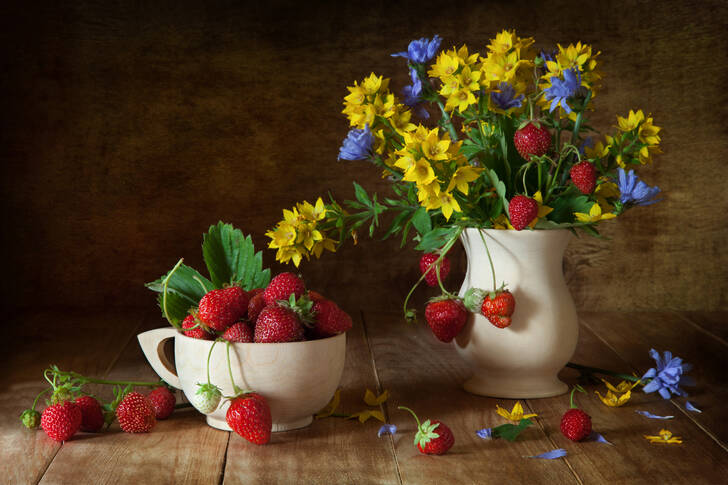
[(419, 372)]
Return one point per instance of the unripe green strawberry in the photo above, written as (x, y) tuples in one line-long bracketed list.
[(207, 398)]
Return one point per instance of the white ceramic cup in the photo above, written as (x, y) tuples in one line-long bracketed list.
[(297, 378)]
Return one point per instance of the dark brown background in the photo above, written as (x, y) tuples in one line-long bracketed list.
[(128, 129)]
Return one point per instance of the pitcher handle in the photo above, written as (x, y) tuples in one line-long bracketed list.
[(152, 344)]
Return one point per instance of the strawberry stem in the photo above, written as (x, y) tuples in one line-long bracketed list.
[(92, 380), (209, 354), (35, 402), (201, 284), (419, 426), (236, 390), (490, 259), (164, 293)]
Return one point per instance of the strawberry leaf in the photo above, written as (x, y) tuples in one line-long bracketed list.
[(422, 222), (184, 289), (436, 238), (230, 258), (510, 432)]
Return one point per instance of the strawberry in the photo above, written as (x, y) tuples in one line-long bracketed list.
[(239, 332), (92, 416), (278, 324), (282, 286), (207, 398), (249, 416), (136, 413), (532, 140), (446, 318), (163, 402), (522, 211), (432, 437), (329, 319), (315, 296), (255, 291), (200, 332), (61, 421), (256, 304), (498, 307), (426, 261), (584, 176), (219, 309), (575, 423)]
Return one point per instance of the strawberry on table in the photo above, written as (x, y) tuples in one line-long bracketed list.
[(249, 416), (426, 261), (136, 413), (61, 421), (92, 416), (432, 437), (446, 317), (575, 423), (163, 402)]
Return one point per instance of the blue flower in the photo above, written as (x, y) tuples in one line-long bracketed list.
[(387, 429), (634, 191), (413, 95), (560, 90), (421, 50), (357, 144), (485, 433), (507, 98), (547, 55), (668, 375)]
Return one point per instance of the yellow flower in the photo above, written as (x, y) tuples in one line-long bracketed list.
[(543, 210), (645, 154), (516, 414), (290, 253), (413, 140), (373, 84), (608, 190), (502, 222), (371, 400), (356, 95), (462, 177), (312, 212), (363, 416), (631, 122), (460, 99), (594, 215), (464, 57), (325, 243), (400, 120), (435, 148), (612, 400), (664, 437), (648, 133), (445, 65), (331, 407), (421, 173), (406, 161), (283, 235), (623, 386), (506, 40), (448, 204), (597, 151)]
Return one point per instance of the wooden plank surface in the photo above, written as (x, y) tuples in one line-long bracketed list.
[(181, 449), (714, 323), (331, 450), (84, 341), (425, 375), (632, 334)]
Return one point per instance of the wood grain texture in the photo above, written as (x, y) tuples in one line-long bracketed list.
[(180, 449), (129, 129), (87, 342), (331, 450), (632, 334), (425, 375)]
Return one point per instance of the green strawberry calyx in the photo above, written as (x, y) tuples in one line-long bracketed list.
[(473, 299), (302, 307), (425, 431)]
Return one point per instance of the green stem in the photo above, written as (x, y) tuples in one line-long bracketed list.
[(571, 399), (201, 284), (236, 389), (164, 293), (39, 395), (419, 426), (490, 260), (579, 118), (209, 354), (447, 121), (595, 370), (92, 380)]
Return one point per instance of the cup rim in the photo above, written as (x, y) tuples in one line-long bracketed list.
[(298, 342)]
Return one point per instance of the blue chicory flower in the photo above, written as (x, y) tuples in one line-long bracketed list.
[(691, 407), (551, 455), (387, 429), (648, 414), (633, 190), (421, 50), (413, 95), (547, 55), (598, 438), (357, 144), (507, 98), (561, 90), (485, 433), (667, 376)]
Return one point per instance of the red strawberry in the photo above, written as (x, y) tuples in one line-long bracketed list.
[(256, 304), (221, 308), (532, 140), (198, 332), (576, 424), (136, 413), (163, 402), (315, 296), (446, 318), (431, 277), (282, 286), (522, 211), (61, 421), (249, 416), (92, 416), (498, 307), (255, 291), (239, 332), (278, 324), (329, 319), (584, 176), (432, 438)]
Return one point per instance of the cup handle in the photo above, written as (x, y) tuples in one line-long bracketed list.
[(152, 344)]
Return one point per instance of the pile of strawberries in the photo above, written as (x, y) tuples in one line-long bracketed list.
[(284, 311), (446, 314)]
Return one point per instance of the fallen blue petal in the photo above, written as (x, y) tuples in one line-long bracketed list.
[(690, 407), (485, 433), (551, 455), (594, 436), (387, 429), (653, 416)]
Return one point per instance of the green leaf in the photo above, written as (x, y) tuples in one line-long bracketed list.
[(184, 290), (565, 206), (422, 222), (500, 188), (361, 195), (230, 258), (436, 238), (510, 432)]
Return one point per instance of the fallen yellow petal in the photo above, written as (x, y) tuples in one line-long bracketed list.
[(331, 407), (371, 400)]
